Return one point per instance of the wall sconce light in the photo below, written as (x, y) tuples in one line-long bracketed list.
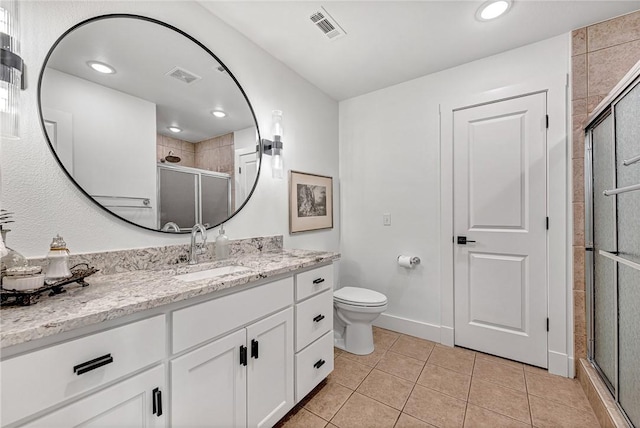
[(274, 148), (11, 70)]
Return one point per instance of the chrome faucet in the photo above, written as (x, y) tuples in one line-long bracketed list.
[(171, 226), (196, 249)]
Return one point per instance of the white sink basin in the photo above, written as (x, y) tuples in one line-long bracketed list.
[(212, 273)]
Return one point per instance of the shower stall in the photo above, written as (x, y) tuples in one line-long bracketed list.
[(612, 240)]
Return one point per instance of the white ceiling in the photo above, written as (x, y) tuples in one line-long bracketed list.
[(142, 53), (389, 42)]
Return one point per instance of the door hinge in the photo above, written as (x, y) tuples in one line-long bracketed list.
[(547, 223), (547, 121), (240, 170), (547, 324)]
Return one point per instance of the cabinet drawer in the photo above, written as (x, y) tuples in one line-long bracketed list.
[(314, 317), (205, 321), (313, 282), (310, 369), (40, 379)]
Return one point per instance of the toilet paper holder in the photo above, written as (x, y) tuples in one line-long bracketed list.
[(408, 261)]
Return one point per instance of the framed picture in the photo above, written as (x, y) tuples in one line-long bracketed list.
[(310, 202)]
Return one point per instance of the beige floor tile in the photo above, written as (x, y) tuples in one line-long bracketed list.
[(413, 347), (368, 360), (337, 352), (458, 360), (489, 357), (326, 400), (406, 421), (559, 389), (435, 408), (502, 374), (384, 339), (348, 373), (386, 388), (477, 417), (361, 411), (446, 381), (301, 418), (548, 414), (506, 401), (400, 365), (534, 369)]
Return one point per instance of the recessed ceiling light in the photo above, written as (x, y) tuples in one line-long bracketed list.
[(218, 113), (493, 9), (174, 129), (101, 67)]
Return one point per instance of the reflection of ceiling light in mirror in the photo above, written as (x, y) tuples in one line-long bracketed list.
[(218, 113), (493, 9), (101, 67), (174, 129)]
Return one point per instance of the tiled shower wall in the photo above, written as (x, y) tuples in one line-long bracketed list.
[(601, 55), (183, 149)]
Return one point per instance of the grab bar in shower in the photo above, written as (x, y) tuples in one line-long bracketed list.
[(621, 190), (631, 161), (146, 202), (619, 259)]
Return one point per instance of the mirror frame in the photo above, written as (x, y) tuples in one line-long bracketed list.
[(171, 27)]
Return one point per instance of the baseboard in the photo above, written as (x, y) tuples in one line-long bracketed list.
[(411, 327), (572, 367), (558, 364), (446, 335)]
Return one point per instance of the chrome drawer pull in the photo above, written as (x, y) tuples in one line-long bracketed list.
[(318, 318), (319, 363), (93, 364), (318, 281)]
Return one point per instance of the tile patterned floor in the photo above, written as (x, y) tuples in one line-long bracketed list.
[(413, 383)]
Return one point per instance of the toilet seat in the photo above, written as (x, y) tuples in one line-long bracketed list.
[(356, 296)]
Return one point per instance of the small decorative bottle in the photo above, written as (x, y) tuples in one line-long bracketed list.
[(58, 258), (222, 245), (12, 259)]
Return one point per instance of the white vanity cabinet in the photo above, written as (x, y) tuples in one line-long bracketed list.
[(244, 378), (314, 328)]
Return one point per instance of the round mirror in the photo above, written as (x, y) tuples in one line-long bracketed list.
[(149, 123)]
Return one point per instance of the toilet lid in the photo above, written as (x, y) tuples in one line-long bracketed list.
[(359, 296)]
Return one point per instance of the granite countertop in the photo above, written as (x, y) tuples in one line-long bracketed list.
[(120, 294)]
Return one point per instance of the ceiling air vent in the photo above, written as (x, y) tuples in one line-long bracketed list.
[(327, 24), (183, 75)]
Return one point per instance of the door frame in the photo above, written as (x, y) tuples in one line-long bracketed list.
[(559, 258)]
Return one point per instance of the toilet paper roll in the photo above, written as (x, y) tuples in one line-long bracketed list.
[(408, 261)]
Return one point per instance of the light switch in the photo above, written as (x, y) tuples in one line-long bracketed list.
[(386, 219)]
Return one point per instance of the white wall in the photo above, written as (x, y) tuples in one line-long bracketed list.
[(390, 163), (45, 202), (114, 141)]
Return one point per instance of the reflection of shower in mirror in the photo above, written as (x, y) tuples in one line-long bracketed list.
[(170, 158)]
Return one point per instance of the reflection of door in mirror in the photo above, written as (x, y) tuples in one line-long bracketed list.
[(59, 125)]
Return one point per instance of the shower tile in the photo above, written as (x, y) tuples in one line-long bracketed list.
[(579, 41), (613, 32)]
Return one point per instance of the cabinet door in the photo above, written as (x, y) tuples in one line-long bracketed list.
[(131, 403), (209, 385), (270, 369)]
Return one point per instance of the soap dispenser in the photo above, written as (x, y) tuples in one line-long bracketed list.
[(58, 258), (222, 245)]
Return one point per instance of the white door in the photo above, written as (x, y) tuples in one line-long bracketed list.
[(270, 377), (500, 280), (59, 127), (138, 402), (246, 169), (209, 385)]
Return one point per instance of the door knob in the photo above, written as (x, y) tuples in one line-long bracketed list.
[(462, 240)]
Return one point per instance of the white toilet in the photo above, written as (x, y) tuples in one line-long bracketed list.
[(354, 310)]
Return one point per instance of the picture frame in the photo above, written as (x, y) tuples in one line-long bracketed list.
[(310, 202)]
